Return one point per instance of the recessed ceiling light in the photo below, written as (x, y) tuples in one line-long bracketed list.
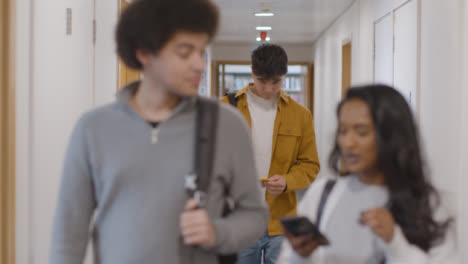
[(264, 14), (263, 28)]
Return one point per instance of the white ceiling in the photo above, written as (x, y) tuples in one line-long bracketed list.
[(295, 21)]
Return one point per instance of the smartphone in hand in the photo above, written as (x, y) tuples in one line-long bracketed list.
[(301, 226)]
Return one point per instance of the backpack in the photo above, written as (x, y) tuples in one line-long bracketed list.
[(205, 138), (232, 98)]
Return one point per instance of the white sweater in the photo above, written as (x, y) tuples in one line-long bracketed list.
[(262, 114), (398, 251)]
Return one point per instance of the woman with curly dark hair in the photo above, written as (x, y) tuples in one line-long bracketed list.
[(384, 210)]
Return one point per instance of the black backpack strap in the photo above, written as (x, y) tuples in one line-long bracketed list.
[(325, 193), (205, 138), (232, 99)]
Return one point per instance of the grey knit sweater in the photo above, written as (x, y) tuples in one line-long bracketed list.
[(132, 178)]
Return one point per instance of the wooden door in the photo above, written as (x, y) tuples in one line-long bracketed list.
[(126, 74), (345, 68), (346, 62)]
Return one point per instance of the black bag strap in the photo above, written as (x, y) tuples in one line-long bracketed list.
[(325, 193), (232, 99), (205, 138)]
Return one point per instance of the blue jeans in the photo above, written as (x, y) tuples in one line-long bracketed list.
[(269, 245)]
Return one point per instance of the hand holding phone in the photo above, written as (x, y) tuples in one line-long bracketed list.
[(302, 226), (303, 235)]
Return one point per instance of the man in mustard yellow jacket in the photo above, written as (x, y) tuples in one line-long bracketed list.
[(284, 145)]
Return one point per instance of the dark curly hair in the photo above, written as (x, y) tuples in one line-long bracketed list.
[(399, 158), (149, 24), (269, 61)]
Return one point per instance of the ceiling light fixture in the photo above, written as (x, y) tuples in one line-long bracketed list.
[(263, 28), (264, 14)]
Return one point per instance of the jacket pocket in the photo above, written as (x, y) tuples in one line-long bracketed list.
[(287, 144)]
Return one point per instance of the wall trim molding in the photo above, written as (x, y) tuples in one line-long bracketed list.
[(7, 133)]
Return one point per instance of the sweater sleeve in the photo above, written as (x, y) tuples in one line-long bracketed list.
[(75, 204), (248, 221), (400, 251)]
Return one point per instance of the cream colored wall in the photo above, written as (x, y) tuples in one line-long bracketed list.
[(327, 62), (463, 180), (59, 77), (444, 30)]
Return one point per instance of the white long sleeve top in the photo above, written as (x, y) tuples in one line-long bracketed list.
[(398, 251)]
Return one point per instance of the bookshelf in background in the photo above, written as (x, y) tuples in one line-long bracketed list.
[(233, 77)]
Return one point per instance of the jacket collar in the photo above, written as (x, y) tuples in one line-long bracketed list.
[(283, 96)]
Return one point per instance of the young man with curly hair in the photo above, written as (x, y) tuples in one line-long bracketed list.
[(126, 161)]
